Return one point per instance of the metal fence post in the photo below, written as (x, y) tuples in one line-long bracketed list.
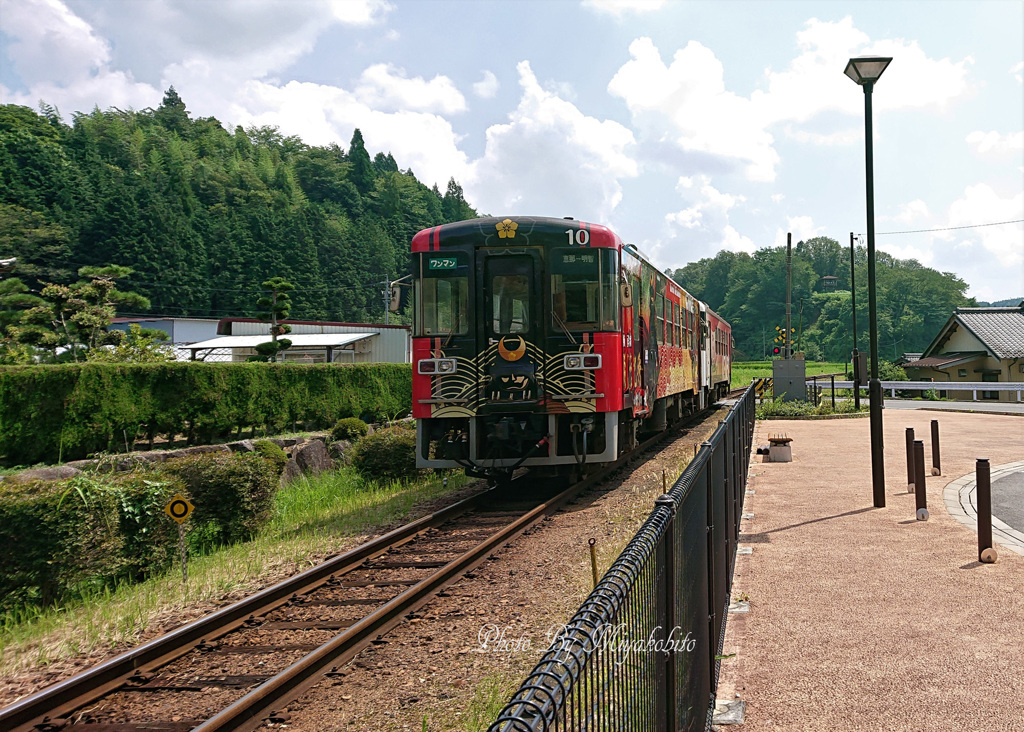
[(910, 460), (669, 702), (983, 476), (936, 464), (921, 495), (832, 378)]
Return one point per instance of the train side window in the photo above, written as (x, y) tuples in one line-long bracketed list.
[(659, 322), (444, 305)]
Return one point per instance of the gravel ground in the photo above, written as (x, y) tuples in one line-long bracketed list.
[(864, 618)]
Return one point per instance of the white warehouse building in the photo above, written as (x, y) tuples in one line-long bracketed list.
[(312, 342)]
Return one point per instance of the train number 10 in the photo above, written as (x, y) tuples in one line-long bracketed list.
[(578, 236)]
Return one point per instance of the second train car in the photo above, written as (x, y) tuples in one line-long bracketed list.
[(549, 343)]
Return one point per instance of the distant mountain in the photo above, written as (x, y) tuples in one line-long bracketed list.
[(1011, 302)]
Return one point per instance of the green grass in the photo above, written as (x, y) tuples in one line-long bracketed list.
[(489, 697), (744, 371), (778, 408), (315, 517)]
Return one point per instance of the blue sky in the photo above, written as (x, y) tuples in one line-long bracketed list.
[(688, 127)]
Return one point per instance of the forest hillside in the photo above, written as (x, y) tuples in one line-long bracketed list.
[(203, 215)]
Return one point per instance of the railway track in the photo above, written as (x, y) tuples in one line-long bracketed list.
[(232, 669)]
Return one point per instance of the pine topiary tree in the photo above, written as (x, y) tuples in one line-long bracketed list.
[(274, 307)]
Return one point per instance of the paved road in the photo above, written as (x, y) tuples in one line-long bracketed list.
[(1008, 499), (1002, 407)]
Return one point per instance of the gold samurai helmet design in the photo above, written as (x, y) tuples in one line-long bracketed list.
[(512, 354)]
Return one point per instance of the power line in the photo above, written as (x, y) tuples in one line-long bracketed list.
[(947, 228)]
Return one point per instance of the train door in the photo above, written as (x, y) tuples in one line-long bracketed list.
[(510, 293), (704, 346)]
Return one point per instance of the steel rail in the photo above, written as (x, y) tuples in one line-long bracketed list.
[(72, 693), (251, 711)]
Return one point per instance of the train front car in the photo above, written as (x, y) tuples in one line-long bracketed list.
[(517, 348)]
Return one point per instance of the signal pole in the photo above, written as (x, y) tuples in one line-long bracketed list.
[(787, 350)]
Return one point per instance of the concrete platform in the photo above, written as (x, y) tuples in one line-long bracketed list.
[(867, 619)]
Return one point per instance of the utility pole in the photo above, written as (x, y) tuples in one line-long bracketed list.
[(386, 293)]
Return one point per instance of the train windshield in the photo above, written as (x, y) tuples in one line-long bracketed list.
[(442, 295), (583, 289)]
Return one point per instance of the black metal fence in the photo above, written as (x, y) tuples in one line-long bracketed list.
[(641, 653)]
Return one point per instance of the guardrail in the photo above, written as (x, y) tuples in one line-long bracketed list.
[(971, 386), (642, 652)]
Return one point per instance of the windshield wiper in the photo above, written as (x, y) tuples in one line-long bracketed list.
[(563, 327)]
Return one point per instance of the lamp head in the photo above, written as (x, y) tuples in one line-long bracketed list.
[(867, 69)]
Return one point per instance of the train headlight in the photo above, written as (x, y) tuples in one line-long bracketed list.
[(581, 361), (437, 366)]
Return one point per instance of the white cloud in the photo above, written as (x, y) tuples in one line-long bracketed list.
[(52, 44), (841, 137), (814, 82), (1016, 71), (802, 228), (487, 88), (62, 59), (992, 142), (916, 210), (64, 62), (358, 12), (981, 204), (687, 101), (700, 229), (619, 7), (383, 86), (550, 151)]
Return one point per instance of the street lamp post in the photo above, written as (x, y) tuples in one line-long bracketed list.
[(865, 71)]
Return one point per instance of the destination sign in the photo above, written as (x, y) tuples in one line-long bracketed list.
[(442, 263)]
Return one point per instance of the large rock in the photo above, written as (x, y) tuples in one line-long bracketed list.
[(60, 472), (312, 457), (341, 451), (285, 442), (241, 446), (291, 472)]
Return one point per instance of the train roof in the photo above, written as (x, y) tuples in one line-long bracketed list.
[(504, 230)]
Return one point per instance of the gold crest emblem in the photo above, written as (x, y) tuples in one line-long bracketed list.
[(507, 229), (512, 354)]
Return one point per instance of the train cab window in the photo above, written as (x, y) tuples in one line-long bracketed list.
[(583, 290), (442, 297), (510, 284), (510, 302)]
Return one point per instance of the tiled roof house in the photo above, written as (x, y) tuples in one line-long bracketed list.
[(976, 344)]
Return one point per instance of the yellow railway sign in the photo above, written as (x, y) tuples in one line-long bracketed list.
[(179, 508)]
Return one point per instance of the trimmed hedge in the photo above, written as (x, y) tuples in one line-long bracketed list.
[(235, 491), (63, 540), (65, 412), (349, 428), (387, 454)]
